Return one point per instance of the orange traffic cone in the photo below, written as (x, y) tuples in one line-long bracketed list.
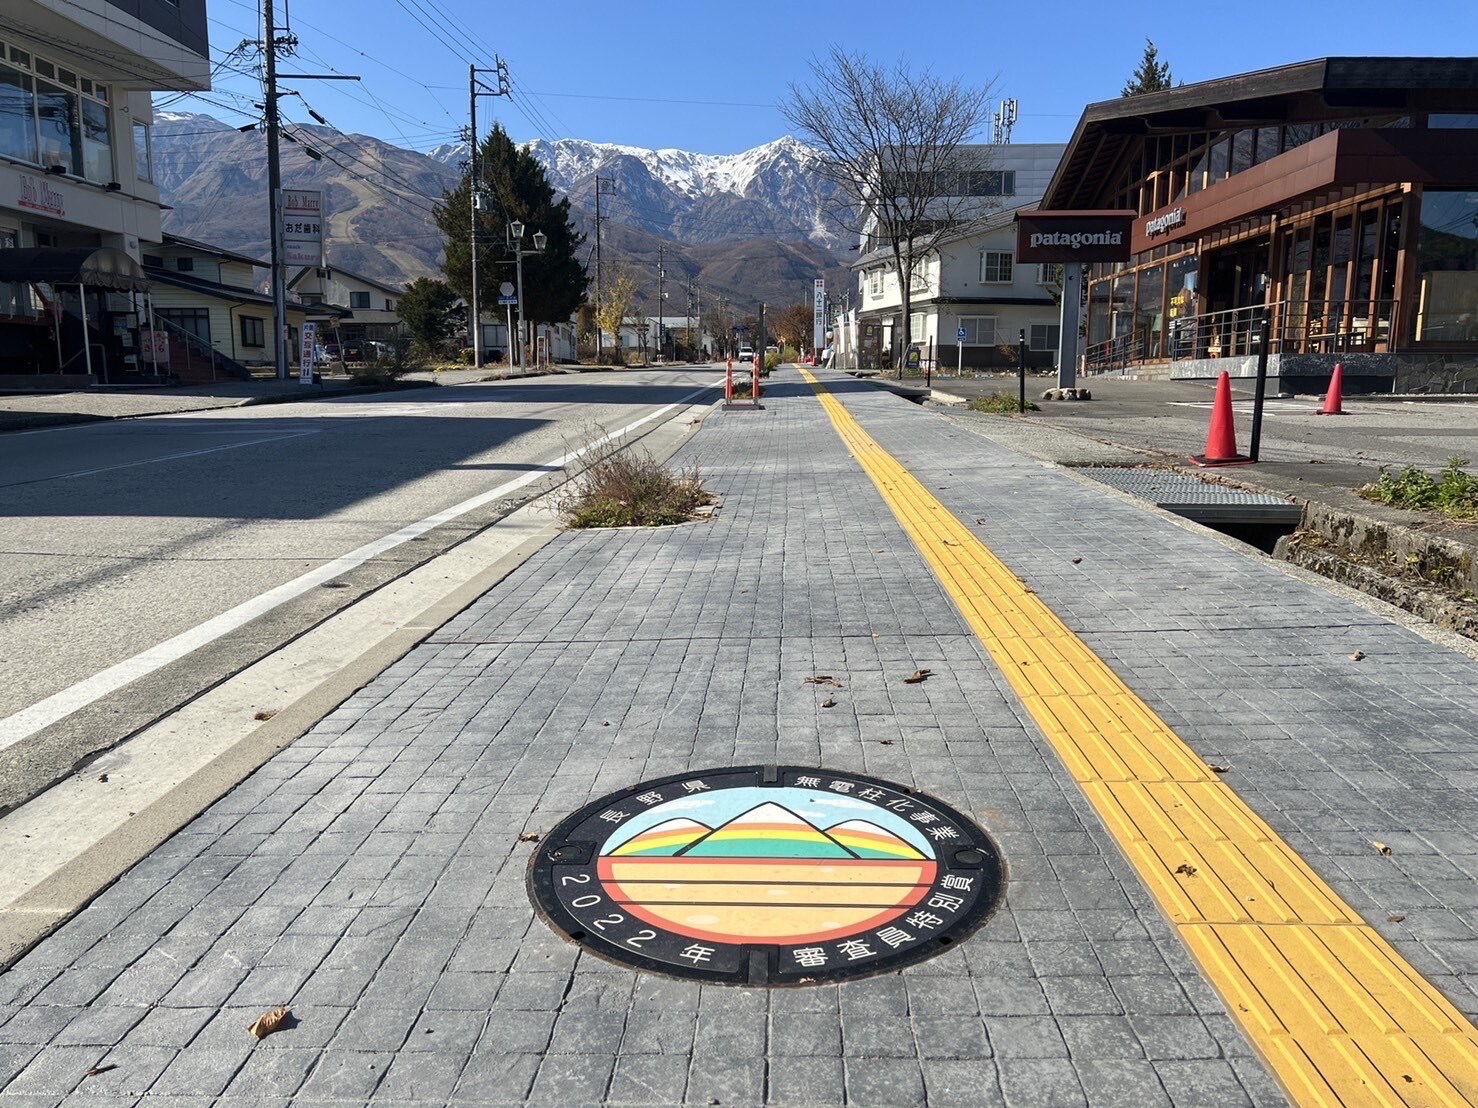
[(1335, 397), (1221, 436)]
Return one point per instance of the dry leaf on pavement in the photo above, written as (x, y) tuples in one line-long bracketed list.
[(268, 1022), (1077, 561), (828, 703), (1382, 847), (1214, 768), (823, 679), (1186, 868), (101, 1067), (1355, 657), (529, 837), (1395, 917), (918, 675)]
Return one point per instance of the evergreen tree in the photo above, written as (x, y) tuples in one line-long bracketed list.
[(514, 187), (1152, 74), (431, 311)]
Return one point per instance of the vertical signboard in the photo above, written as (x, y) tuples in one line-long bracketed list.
[(818, 319), (308, 355), (302, 227)]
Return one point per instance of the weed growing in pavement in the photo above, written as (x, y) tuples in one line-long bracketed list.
[(630, 488), (1453, 492), (999, 403)]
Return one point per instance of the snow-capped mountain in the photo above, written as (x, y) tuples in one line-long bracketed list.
[(751, 227), (770, 191)]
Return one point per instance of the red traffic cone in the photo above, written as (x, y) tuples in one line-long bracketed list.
[(1221, 436), (1335, 397)]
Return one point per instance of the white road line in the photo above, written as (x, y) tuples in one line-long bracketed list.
[(161, 458), (58, 706)]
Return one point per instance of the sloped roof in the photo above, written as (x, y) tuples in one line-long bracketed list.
[(1305, 92)]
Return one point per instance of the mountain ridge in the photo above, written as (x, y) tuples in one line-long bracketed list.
[(753, 227)]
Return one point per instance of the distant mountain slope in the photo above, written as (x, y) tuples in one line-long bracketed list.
[(750, 227)]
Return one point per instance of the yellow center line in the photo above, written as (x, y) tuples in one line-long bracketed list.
[(1337, 1013)]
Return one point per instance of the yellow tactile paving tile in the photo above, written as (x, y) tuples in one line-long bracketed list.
[(1337, 1013)]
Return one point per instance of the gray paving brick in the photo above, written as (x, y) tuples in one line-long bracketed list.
[(962, 1084)]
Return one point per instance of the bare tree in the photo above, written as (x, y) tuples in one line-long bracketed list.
[(897, 146)]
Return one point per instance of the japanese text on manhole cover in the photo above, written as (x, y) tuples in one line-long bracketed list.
[(766, 875)]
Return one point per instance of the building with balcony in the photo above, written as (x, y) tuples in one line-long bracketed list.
[(969, 281), (78, 203), (1340, 196)]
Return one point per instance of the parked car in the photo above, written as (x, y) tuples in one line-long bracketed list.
[(746, 354)]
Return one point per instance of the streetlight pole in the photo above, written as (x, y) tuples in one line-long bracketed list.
[(540, 239)]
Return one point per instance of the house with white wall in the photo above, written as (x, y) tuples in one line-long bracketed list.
[(970, 282)]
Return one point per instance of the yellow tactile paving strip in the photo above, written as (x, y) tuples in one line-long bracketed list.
[(1337, 1013)]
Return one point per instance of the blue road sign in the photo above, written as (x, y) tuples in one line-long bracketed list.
[(960, 334), (508, 300)]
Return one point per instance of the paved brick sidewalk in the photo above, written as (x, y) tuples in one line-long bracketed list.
[(371, 875)]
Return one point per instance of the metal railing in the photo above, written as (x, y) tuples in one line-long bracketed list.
[(1294, 327), (191, 357)]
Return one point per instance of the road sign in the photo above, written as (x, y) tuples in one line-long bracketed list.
[(960, 335), (508, 300), (506, 288)]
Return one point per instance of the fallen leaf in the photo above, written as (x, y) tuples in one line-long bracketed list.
[(1395, 917), (265, 714), (980, 520), (1408, 1078), (605, 723), (823, 679), (1077, 561), (885, 742), (1181, 588), (529, 837), (919, 675), (1382, 847), (103, 777), (876, 635), (1186, 868), (828, 703), (1214, 768), (1355, 657), (268, 1022), (101, 1067)]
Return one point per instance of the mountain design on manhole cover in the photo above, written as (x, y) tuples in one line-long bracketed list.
[(768, 874), (759, 874)]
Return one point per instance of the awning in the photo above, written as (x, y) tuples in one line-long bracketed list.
[(93, 266)]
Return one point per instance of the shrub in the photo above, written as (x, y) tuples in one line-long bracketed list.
[(771, 361), (1453, 491), (630, 488)]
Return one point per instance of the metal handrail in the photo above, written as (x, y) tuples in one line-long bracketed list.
[(1294, 327)]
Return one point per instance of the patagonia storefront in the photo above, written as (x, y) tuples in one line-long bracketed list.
[(1338, 196)]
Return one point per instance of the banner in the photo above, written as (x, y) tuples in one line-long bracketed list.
[(302, 227), (818, 319), (308, 355)]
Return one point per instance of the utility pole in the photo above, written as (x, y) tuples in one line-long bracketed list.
[(274, 190), (661, 273), (599, 283), (273, 117), (688, 319), (476, 88)]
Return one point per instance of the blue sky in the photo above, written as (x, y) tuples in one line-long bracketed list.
[(706, 77)]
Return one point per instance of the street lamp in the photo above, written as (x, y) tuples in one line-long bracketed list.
[(516, 228)]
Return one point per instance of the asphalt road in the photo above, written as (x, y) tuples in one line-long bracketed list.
[(119, 538)]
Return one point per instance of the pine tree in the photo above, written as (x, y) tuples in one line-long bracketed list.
[(1152, 74), (515, 187)]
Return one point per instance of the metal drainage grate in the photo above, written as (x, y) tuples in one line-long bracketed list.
[(1195, 499)]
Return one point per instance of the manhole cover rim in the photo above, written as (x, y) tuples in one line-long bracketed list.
[(541, 889)]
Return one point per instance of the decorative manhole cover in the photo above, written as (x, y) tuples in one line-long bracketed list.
[(766, 875)]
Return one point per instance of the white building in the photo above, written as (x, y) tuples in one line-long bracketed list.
[(970, 282), (77, 198)]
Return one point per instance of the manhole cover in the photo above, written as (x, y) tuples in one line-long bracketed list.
[(766, 875)]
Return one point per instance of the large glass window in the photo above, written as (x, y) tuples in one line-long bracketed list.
[(60, 134), (195, 321), (17, 114), (143, 153), (1452, 119), (97, 150), (1149, 309), (1447, 310), (1180, 303)]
